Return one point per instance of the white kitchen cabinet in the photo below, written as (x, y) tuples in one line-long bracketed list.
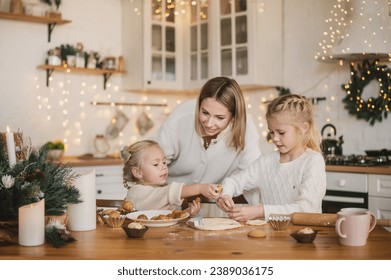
[(152, 45), (241, 39), (347, 182), (380, 195), (108, 181)]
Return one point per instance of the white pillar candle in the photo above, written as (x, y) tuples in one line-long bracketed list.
[(32, 224), (82, 216), (10, 147)]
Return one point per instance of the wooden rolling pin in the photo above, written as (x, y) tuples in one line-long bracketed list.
[(318, 219)]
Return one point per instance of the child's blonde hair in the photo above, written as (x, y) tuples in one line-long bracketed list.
[(301, 111), (133, 157)]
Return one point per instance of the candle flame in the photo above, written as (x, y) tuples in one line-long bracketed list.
[(8, 129)]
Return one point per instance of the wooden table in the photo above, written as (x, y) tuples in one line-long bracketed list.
[(182, 242)]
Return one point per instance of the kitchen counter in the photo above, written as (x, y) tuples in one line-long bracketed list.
[(184, 243), (386, 169), (75, 161)]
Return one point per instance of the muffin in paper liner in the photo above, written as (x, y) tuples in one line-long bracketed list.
[(279, 222), (135, 232), (114, 222), (103, 214), (305, 235)]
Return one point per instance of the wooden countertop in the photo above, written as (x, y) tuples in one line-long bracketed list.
[(75, 161), (184, 243), (386, 169)]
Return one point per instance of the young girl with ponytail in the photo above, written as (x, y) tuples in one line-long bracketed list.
[(290, 179)]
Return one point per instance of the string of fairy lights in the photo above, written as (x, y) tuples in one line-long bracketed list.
[(357, 33), (68, 94), (58, 100), (372, 20)]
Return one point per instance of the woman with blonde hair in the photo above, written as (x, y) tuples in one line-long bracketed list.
[(208, 139), (290, 179)]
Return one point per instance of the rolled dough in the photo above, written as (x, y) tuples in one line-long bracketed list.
[(218, 224), (256, 222)]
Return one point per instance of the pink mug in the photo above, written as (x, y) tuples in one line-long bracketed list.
[(353, 227), (360, 210)]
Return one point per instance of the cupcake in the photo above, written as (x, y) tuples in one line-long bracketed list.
[(135, 230), (279, 222), (104, 214), (126, 207), (114, 219), (304, 235)]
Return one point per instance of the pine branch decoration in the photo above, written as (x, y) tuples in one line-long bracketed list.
[(35, 178)]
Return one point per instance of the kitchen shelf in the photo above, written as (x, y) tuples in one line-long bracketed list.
[(51, 22), (95, 103), (193, 92), (105, 72)]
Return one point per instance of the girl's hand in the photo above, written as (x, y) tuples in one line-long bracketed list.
[(226, 203), (209, 191), (194, 208), (246, 213)]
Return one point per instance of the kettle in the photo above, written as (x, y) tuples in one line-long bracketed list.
[(330, 145)]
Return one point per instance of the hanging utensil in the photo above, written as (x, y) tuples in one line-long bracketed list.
[(144, 123)]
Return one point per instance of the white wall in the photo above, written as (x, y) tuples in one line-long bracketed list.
[(97, 24), (23, 46), (304, 26)]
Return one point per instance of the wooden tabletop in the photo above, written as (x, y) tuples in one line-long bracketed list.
[(182, 242)]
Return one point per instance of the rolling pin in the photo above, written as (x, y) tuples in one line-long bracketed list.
[(318, 219)]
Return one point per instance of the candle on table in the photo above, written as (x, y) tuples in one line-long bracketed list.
[(32, 224), (82, 216), (10, 147)]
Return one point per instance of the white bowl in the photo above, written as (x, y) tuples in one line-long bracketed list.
[(55, 154)]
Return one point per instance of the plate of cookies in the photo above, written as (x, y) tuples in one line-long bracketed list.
[(158, 218)]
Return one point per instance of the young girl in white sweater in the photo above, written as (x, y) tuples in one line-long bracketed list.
[(290, 179), (145, 174)]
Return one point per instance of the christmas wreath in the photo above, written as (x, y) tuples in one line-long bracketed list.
[(375, 108)]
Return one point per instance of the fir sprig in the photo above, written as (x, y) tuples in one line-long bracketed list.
[(33, 179), (57, 234)]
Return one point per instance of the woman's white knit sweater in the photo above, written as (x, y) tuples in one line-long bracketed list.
[(190, 162)]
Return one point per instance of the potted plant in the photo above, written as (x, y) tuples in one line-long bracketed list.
[(54, 8), (68, 54), (55, 149)]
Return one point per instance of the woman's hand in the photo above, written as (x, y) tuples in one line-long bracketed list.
[(226, 203), (246, 213), (194, 207), (209, 190)]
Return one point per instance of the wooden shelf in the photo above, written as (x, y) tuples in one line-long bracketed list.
[(51, 22), (95, 103), (194, 92), (105, 72)]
